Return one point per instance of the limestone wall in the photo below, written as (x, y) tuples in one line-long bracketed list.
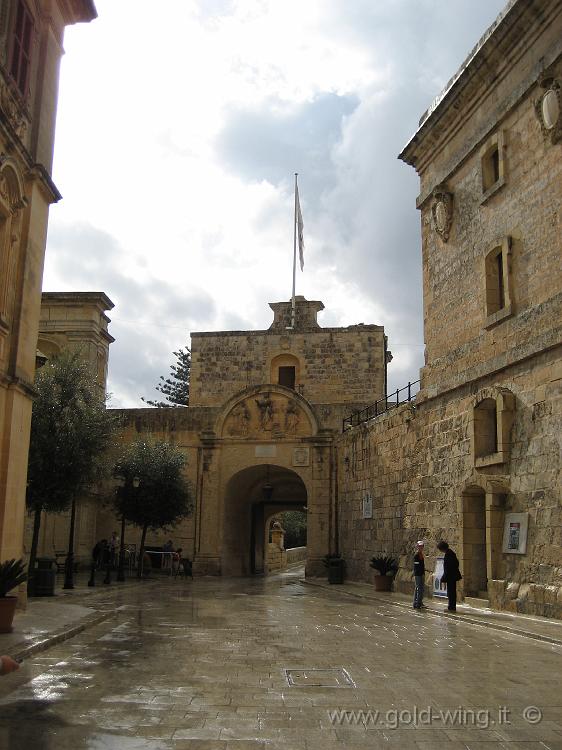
[(334, 366), (418, 465)]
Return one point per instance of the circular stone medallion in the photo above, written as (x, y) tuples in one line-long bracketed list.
[(550, 109)]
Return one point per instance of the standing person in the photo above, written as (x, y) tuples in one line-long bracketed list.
[(451, 574), (113, 543), (98, 553), (419, 575)]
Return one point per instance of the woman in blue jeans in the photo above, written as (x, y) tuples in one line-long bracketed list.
[(419, 575)]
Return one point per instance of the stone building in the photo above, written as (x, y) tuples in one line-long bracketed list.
[(77, 321), (478, 460), (264, 410), (74, 321), (31, 37)]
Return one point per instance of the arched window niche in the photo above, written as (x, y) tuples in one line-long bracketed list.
[(492, 419)]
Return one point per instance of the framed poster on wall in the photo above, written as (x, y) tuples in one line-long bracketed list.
[(515, 533), (367, 506), (439, 589)]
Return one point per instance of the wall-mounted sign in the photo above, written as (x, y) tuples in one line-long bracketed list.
[(439, 589), (367, 506), (515, 533), (265, 451), (301, 456)]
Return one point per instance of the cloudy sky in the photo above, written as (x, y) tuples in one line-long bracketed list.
[(179, 131)]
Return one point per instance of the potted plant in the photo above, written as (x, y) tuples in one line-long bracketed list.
[(335, 564), (12, 573), (386, 568)]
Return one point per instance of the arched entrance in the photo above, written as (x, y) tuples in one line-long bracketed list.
[(253, 495), (474, 542), (482, 527)]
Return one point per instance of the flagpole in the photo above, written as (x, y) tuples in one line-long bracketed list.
[(293, 311)]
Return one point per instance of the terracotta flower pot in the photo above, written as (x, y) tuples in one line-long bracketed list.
[(383, 583), (7, 609)]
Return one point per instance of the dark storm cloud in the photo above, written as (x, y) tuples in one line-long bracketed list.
[(360, 200), (275, 140), (151, 317)]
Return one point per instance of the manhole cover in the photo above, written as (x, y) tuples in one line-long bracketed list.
[(336, 678)]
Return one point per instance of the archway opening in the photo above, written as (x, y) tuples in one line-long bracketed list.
[(253, 495), (474, 542)]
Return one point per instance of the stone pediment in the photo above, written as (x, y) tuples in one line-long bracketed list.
[(267, 414)]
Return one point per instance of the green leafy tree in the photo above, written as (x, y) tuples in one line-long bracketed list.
[(294, 523), (176, 387), (71, 430), (154, 493)]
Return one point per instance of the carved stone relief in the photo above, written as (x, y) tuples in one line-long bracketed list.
[(271, 413), (442, 211), (13, 110)]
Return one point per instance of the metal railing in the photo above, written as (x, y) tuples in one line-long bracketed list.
[(384, 404)]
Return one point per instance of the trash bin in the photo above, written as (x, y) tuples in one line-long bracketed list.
[(44, 577), (335, 570)]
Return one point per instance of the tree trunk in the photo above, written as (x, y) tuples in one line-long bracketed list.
[(141, 551), (33, 552), (121, 567), (69, 563)]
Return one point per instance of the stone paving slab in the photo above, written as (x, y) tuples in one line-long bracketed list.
[(47, 621), (190, 665), (537, 628)]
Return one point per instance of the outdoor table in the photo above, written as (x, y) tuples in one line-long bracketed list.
[(171, 554)]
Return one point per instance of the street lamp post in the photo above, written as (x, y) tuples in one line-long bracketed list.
[(128, 487)]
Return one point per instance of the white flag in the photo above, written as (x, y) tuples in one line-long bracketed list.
[(300, 228)]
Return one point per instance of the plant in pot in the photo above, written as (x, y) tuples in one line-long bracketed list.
[(12, 573), (335, 564), (386, 567)]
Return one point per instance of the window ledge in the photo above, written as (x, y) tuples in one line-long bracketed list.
[(490, 459), (496, 187), (497, 317)]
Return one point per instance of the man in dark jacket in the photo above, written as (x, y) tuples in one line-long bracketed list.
[(451, 574), (419, 575)]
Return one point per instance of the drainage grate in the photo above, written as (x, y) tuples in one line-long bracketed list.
[(333, 678)]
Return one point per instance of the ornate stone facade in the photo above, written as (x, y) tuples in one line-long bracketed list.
[(483, 440), (28, 95)]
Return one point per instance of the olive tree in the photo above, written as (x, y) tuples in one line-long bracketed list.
[(71, 430), (153, 493)]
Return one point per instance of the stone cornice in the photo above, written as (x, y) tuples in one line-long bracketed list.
[(78, 11), (48, 187), (97, 298), (370, 328), (531, 347), (18, 384), (490, 62)]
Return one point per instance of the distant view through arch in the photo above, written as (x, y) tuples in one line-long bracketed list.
[(253, 496)]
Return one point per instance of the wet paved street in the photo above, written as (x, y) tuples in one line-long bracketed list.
[(272, 663)]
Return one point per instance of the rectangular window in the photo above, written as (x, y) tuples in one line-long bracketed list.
[(287, 377), (490, 169), (501, 290), (21, 47), (498, 283)]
